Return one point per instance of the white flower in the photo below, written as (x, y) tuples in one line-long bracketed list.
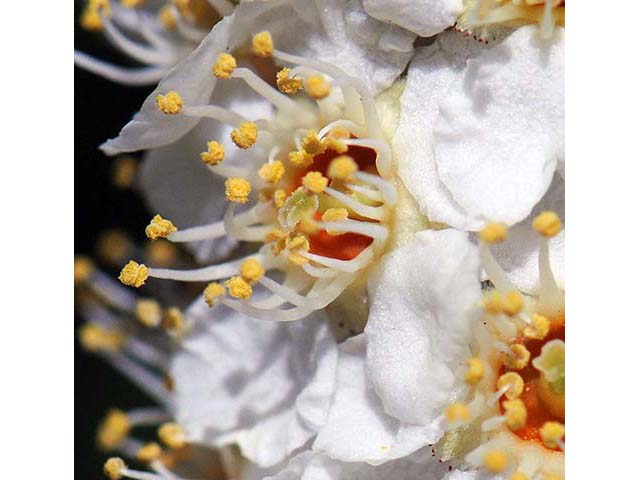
[(156, 34), (484, 142), (425, 18)]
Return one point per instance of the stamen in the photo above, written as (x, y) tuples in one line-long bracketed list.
[(134, 274), (493, 233), (272, 172), (383, 152), (457, 413), (515, 413), (270, 94), (312, 144), (237, 190), (317, 87), (214, 154), (205, 274), (214, 112), (83, 268), (149, 452), (172, 435), (148, 313), (495, 461), (245, 136), (173, 321), (547, 224), (262, 44), (114, 467), (169, 104), (375, 213), (475, 372), (287, 83), (342, 168), (539, 328), (551, 434), (348, 266), (239, 288), (518, 358), (212, 292), (159, 228), (513, 383), (315, 181), (113, 430), (135, 50)]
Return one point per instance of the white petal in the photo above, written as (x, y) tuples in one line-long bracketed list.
[(357, 428), (192, 79), (431, 72), (313, 466), (518, 255), (426, 18), (238, 380), (417, 329), (501, 126), (180, 187)]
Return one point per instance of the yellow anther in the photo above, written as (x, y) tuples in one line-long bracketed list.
[(287, 84), (224, 66), (493, 233), (237, 190), (113, 430), (82, 269), (131, 3), (516, 413), (173, 320), (513, 303), (95, 338), (167, 18), (547, 224), (518, 476), (124, 172), (90, 20), (212, 292), (170, 104), (149, 452), (279, 197), (148, 312), (162, 253), (457, 412), (172, 435), (239, 288), (475, 372), (342, 168), (551, 434), (315, 181), (113, 468), (134, 274), (539, 328), (262, 44), (514, 383), (493, 303), (518, 358), (159, 228), (340, 132), (296, 245), (214, 154), (251, 270), (335, 144), (272, 172), (335, 215), (300, 159), (495, 461), (317, 87), (246, 135), (312, 144)]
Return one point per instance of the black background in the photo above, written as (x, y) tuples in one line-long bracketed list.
[(101, 108)]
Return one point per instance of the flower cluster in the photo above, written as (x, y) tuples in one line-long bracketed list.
[(370, 197)]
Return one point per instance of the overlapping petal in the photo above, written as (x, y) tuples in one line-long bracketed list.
[(424, 18)]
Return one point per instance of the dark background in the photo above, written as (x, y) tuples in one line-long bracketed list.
[(101, 108)]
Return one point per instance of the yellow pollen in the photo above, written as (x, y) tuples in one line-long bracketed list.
[(124, 172), (300, 159), (113, 468), (539, 328), (457, 412), (212, 292), (272, 172), (312, 144), (514, 382), (515, 413), (159, 228), (317, 87), (90, 20), (239, 288), (95, 338), (518, 357), (547, 224), (148, 313), (513, 303), (518, 476), (475, 372), (82, 269), (274, 235), (167, 18), (262, 44), (335, 144), (173, 320), (214, 154), (493, 233), (551, 434), (237, 190), (287, 84), (113, 430), (172, 435), (493, 303), (342, 168), (315, 181), (149, 452), (245, 136), (297, 244), (170, 104), (279, 197), (251, 270), (495, 461), (335, 215), (134, 274), (224, 66)]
